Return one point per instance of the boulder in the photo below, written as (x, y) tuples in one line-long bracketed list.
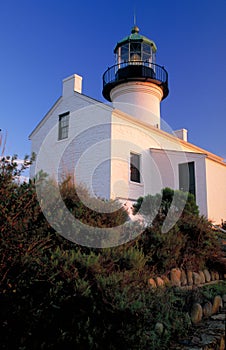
[(175, 276), (196, 278), (196, 313), (159, 282), (159, 328), (202, 277), (189, 278), (217, 304), (207, 275), (216, 274), (183, 278), (212, 274), (152, 283), (166, 280), (207, 309)]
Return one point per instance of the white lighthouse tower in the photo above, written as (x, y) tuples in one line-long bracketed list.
[(136, 84)]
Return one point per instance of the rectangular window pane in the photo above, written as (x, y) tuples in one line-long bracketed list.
[(125, 52), (63, 126), (134, 167), (187, 177), (147, 48), (135, 51)]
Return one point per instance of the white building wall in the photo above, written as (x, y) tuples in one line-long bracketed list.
[(85, 154), (97, 152), (216, 190), (168, 163), (161, 155)]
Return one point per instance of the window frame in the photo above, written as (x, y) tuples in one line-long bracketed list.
[(135, 169), (187, 176), (63, 130)]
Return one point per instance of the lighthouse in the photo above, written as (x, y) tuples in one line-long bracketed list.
[(136, 84)]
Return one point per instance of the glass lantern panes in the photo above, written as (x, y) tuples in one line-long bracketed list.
[(135, 51), (125, 53), (146, 53)]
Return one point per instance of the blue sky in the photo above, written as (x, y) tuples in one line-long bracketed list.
[(45, 41)]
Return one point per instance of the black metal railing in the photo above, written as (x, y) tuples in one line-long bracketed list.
[(134, 70), (154, 71)]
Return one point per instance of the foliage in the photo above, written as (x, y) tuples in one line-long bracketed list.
[(201, 295), (157, 206), (189, 244), (55, 294)]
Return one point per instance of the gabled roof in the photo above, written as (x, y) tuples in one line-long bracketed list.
[(57, 103)]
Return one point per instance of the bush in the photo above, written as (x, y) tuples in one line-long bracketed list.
[(55, 294), (189, 244), (156, 207)]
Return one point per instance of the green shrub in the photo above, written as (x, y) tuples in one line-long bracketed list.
[(189, 244), (55, 294)]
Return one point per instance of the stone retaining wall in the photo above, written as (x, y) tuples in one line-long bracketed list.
[(182, 278), (207, 319)]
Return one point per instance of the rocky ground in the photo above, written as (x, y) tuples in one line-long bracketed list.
[(207, 335)]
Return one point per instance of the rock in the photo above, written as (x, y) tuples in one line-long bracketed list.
[(159, 282), (196, 278), (222, 344), (217, 304), (207, 275), (212, 274), (219, 317), (183, 278), (175, 275), (166, 280), (202, 277), (207, 309), (152, 283), (189, 278), (159, 328), (196, 313), (216, 274)]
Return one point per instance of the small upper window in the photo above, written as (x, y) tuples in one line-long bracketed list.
[(135, 167), (63, 126)]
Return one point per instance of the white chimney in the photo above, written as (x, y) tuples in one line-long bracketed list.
[(182, 134), (72, 84)]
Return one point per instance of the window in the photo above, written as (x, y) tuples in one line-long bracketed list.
[(63, 126), (187, 177), (125, 53), (135, 167), (135, 51), (146, 54)]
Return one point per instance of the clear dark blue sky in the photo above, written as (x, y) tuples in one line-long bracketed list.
[(44, 41)]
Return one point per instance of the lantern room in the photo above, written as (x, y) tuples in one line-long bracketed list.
[(135, 61), (135, 48)]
